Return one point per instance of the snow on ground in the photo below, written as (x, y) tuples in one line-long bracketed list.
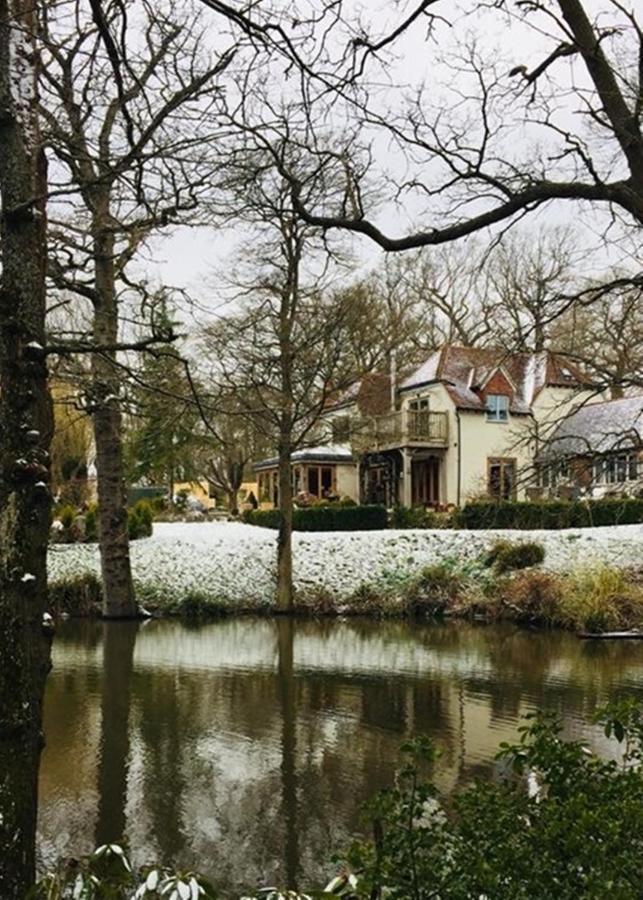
[(233, 562)]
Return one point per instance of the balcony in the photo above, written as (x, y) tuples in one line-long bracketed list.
[(406, 428)]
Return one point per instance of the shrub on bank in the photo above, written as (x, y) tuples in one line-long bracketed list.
[(433, 591), (550, 514), (79, 596), (323, 518), (505, 556)]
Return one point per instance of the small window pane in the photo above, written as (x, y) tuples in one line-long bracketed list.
[(497, 408)]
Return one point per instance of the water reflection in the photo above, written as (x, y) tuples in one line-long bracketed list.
[(246, 748)]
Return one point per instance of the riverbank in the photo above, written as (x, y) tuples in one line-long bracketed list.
[(588, 578)]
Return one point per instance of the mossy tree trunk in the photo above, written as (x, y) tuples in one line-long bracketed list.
[(25, 436)]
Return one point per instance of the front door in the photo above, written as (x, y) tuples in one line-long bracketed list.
[(425, 481)]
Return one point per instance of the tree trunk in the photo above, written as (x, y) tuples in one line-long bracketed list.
[(118, 590), (232, 502), (25, 433), (284, 539)]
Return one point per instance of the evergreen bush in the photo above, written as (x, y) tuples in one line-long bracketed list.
[(550, 514), (323, 518), (505, 556)]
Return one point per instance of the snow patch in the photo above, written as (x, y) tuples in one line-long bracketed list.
[(236, 563)]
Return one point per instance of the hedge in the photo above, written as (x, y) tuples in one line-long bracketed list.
[(551, 514), (323, 518)]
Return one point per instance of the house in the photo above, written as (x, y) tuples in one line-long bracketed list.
[(466, 423), (596, 451)]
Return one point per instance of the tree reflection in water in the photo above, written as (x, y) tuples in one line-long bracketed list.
[(247, 747)]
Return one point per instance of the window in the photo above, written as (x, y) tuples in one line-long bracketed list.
[(497, 408), (501, 478), (616, 469)]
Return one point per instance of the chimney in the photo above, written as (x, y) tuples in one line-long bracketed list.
[(393, 380)]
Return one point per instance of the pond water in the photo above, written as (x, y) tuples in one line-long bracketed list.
[(245, 748)]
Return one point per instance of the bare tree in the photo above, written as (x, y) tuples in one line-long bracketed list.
[(282, 355), (469, 166), (129, 127), (232, 441), (25, 434)]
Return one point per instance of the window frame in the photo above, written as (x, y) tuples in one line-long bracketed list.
[(497, 412), (504, 463)]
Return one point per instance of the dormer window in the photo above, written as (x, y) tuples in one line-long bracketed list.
[(497, 408)]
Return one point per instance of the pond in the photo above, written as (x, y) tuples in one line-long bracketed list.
[(245, 748)]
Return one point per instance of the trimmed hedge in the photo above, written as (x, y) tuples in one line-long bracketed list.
[(323, 518), (551, 514)]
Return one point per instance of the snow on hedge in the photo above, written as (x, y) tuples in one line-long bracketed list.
[(235, 563)]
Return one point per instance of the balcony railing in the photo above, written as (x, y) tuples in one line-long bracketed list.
[(399, 429)]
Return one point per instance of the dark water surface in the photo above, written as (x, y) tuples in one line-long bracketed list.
[(245, 748)]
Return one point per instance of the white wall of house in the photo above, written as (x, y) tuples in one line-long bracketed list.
[(483, 440), (348, 481)]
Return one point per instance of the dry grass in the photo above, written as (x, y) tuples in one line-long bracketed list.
[(600, 599)]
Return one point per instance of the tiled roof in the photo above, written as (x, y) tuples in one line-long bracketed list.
[(599, 428), (465, 370)]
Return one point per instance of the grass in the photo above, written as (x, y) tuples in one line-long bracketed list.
[(600, 599)]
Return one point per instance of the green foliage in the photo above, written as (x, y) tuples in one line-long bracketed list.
[(107, 874), (140, 520), (505, 556), (332, 517), (600, 599), (579, 836), (419, 517), (551, 514), (91, 523), (67, 514), (166, 438), (197, 605)]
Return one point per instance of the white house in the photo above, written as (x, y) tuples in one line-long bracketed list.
[(467, 423)]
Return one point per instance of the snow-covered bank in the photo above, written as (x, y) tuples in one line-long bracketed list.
[(235, 563)]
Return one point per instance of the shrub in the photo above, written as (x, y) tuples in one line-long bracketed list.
[(67, 514), (409, 517), (197, 605), (78, 596), (91, 523), (323, 518), (579, 836), (600, 599), (505, 556), (531, 597), (550, 514), (139, 520), (432, 591)]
